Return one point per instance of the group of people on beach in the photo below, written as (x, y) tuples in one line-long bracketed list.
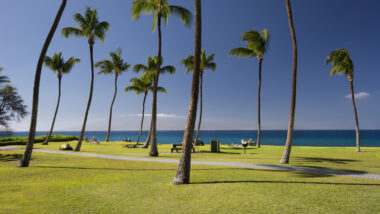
[(93, 141)]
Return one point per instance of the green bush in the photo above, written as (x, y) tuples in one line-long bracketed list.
[(6, 141)]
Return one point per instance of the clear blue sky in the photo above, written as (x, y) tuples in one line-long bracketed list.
[(230, 93)]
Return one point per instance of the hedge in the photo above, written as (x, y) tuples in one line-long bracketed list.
[(6, 141)]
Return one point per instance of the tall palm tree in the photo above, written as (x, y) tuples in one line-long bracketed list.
[(150, 69), (288, 145), (58, 65), (206, 63), (24, 162), (142, 85), (116, 66), (182, 175), (92, 29), (257, 45), (159, 9), (342, 64)]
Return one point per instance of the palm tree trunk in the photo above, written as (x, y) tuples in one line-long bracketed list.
[(110, 117), (24, 162), (200, 106), (142, 119), (79, 144), (258, 143), (356, 117), (182, 175), (289, 138), (55, 114), (153, 146), (147, 141)]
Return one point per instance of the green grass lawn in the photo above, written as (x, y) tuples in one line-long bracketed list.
[(56, 183)]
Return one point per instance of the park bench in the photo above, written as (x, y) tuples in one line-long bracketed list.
[(179, 147)]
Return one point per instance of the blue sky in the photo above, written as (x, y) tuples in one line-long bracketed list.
[(230, 93)]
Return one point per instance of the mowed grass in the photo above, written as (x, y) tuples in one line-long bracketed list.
[(339, 158), (58, 183)]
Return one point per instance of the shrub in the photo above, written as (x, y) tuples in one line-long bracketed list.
[(6, 141)]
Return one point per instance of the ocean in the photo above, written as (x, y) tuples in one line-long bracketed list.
[(324, 138)]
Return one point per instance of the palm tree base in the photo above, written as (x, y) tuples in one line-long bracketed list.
[(45, 144), (178, 181), (283, 161), (357, 150), (153, 154)]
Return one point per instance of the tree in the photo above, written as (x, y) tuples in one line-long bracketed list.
[(11, 104), (150, 69), (342, 64), (257, 45), (182, 175), (3, 78), (24, 162), (92, 29), (288, 145), (116, 66), (206, 63), (58, 65), (159, 9), (143, 85)]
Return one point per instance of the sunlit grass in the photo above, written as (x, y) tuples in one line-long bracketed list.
[(56, 183)]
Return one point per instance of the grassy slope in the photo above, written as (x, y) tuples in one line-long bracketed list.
[(342, 158), (66, 184)]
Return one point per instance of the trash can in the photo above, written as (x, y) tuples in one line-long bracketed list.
[(215, 145)]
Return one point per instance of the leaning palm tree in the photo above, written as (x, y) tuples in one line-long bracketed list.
[(150, 69), (206, 63), (116, 66), (92, 29), (182, 175), (160, 9), (342, 64), (142, 85), (288, 145), (58, 65), (257, 45), (24, 162)]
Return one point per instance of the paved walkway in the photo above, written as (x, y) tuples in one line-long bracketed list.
[(232, 164)]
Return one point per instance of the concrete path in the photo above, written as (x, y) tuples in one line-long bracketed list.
[(231, 164)]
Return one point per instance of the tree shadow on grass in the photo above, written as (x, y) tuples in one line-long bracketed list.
[(10, 157), (321, 160), (285, 182)]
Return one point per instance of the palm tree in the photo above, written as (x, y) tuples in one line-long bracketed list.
[(257, 45), (182, 175), (58, 65), (288, 145), (150, 69), (92, 29), (116, 66), (142, 85), (206, 63), (24, 162), (342, 64), (159, 9)]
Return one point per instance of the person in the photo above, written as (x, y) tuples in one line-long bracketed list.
[(86, 139), (125, 139), (94, 141)]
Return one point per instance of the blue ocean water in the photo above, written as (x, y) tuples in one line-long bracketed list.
[(368, 138)]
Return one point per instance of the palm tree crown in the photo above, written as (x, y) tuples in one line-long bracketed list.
[(257, 44), (151, 67), (206, 62), (144, 84), (160, 9), (89, 27), (58, 64), (3, 78), (116, 65), (342, 63)]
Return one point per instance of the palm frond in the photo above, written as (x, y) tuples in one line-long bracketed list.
[(72, 31), (161, 89), (167, 69), (185, 15), (242, 52)]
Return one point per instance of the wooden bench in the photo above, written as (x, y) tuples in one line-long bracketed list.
[(179, 147)]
